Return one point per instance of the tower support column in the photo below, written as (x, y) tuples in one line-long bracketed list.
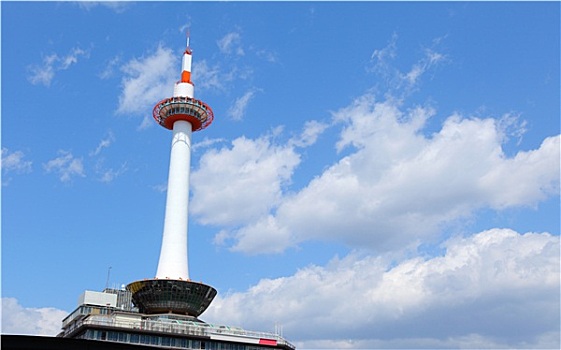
[(173, 255)]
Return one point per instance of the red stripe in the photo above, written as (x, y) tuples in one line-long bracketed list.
[(267, 342)]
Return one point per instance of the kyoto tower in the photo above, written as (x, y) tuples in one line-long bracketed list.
[(171, 291)]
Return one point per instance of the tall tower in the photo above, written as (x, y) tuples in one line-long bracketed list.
[(171, 291), (170, 303)]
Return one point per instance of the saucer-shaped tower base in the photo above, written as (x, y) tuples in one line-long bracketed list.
[(157, 296)]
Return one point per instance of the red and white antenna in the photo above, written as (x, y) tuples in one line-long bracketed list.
[(186, 66)]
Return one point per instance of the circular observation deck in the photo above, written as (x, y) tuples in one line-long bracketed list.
[(171, 296), (169, 110)]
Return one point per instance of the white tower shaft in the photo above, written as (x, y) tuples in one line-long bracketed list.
[(173, 255), (173, 262)]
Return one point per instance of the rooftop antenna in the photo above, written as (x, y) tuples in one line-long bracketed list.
[(108, 274)]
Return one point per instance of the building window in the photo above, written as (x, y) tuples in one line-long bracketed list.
[(145, 339), (122, 336), (154, 340), (166, 341), (135, 338)]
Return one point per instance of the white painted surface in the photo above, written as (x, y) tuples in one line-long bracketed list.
[(97, 298), (173, 255), (186, 62), (184, 90)]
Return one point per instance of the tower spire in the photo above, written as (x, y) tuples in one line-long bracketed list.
[(188, 35), (185, 87)]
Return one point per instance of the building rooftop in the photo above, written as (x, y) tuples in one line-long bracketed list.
[(105, 321)]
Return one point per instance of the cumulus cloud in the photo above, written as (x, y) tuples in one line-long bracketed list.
[(66, 166), (497, 288), (44, 73), (257, 170), (146, 80), (394, 187), (17, 319)]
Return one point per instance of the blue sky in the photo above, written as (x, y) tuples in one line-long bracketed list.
[(377, 174)]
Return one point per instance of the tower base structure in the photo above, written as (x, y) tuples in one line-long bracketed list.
[(155, 296), (109, 320)]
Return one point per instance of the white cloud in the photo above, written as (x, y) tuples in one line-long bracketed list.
[(44, 73), (206, 142), (185, 27), (511, 125), (104, 143), (71, 58), (216, 76), (17, 319), (497, 288), (147, 80), (381, 60), (269, 56), (396, 80), (237, 110), (207, 77), (109, 174), (160, 188), (115, 6), (393, 188), (257, 170), (411, 78), (66, 166), (219, 76), (14, 162), (108, 71), (231, 43), (494, 289), (310, 134), (526, 179)]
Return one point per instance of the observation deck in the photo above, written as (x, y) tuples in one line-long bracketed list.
[(169, 110)]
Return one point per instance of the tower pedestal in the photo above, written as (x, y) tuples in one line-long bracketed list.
[(157, 296)]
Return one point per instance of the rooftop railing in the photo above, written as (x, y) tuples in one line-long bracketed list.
[(172, 327)]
